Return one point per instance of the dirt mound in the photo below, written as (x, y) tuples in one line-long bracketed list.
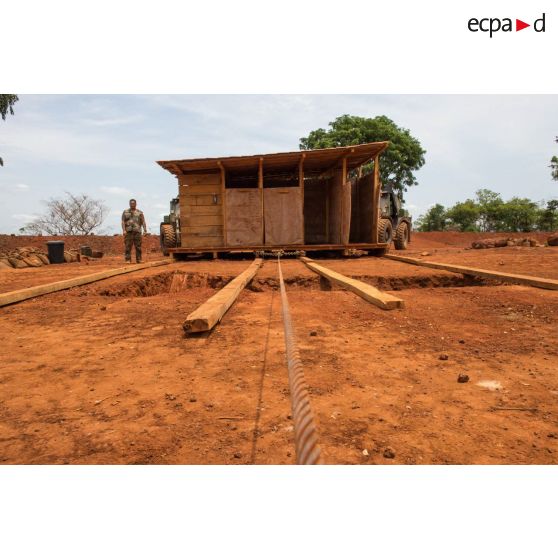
[(445, 239), (503, 242), (109, 245)]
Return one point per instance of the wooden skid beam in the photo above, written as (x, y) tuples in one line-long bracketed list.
[(367, 292), (206, 316), (540, 282), (31, 292), (288, 247)]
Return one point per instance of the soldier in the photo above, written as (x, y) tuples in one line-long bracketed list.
[(132, 223)]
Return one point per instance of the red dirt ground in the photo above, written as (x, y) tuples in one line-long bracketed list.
[(110, 245), (104, 374)]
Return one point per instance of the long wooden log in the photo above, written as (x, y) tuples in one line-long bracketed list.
[(364, 290), (206, 316), (540, 282), (23, 294)]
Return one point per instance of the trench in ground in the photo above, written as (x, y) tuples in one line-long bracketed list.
[(172, 282)]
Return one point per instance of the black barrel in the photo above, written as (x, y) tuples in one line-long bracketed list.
[(55, 251)]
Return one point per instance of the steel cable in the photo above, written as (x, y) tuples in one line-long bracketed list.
[(306, 437)]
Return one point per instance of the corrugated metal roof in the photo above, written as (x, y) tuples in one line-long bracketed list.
[(316, 160)]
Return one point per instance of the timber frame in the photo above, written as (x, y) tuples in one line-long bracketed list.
[(302, 200)]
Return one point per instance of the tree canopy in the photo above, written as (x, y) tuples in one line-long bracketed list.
[(554, 165), (435, 219), (488, 212), (401, 159), (7, 103)]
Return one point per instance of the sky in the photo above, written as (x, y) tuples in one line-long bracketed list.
[(106, 145)]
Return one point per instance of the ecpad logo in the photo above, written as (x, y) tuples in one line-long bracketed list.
[(493, 25)]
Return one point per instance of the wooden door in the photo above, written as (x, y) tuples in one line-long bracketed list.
[(283, 216), (244, 217)]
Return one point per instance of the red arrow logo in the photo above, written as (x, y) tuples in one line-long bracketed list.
[(519, 25)]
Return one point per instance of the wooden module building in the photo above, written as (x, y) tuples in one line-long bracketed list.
[(303, 200)]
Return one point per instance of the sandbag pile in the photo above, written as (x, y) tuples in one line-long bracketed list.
[(503, 242), (30, 257)]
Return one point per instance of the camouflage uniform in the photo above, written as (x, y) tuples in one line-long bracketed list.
[(133, 220)]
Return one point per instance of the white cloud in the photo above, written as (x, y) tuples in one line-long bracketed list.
[(17, 187), (24, 217), (116, 190), (110, 121)]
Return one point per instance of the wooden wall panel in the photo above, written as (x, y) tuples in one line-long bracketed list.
[(315, 212), (354, 235), (201, 211), (186, 190), (203, 230), (365, 188), (283, 216), (210, 242), (189, 210), (244, 217), (195, 179), (345, 211), (335, 194)]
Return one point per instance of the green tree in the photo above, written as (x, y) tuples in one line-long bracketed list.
[(519, 215), (464, 215), (554, 165), (434, 219), (548, 216), (6, 107), (403, 156), (490, 210)]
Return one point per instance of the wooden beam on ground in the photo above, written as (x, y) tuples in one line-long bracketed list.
[(540, 282), (364, 290), (206, 316), (23, 294)]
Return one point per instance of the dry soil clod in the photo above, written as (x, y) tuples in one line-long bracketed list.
[(389, 453)]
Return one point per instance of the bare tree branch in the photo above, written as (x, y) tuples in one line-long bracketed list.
[(70, 216)]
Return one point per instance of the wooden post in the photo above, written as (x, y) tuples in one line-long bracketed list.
[(260, 188), (376, 199), (301, 187), (343, 179), (223, 202)]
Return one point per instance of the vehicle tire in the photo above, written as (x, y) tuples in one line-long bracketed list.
[(385, 231), (401, 236), (168, 238)]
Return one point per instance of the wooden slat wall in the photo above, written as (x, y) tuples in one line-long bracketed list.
[(283, 216), (335, 209), (244, 216), (365, 194), (201, 211), (315, 212)]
